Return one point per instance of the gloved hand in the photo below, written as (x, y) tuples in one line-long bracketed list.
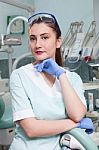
[(50, 66), (87, 124)]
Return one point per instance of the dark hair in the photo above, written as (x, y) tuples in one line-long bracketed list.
[(54, 25)]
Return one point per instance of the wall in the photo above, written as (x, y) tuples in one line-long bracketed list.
[(8, 10), (96, 13), (66, 11)]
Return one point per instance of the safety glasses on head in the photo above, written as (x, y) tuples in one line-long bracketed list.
[(41, 16)]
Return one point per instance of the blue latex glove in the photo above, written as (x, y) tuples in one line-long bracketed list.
[(50, 66), (87, 124)]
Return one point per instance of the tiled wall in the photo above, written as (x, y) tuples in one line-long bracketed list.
[(83, 69), (4, 66)]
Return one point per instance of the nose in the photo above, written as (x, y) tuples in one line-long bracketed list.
[(38, 43)]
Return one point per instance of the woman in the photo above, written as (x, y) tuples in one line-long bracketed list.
[(47, 100)]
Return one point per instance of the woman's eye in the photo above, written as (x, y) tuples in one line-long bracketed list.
[(32, 39), (45, 37)]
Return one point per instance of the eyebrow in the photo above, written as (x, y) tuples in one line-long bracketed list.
[(32, 35)]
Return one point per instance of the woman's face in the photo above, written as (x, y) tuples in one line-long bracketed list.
[(43, 41)]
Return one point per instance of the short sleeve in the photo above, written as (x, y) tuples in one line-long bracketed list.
[(77, 84), (21, 105)]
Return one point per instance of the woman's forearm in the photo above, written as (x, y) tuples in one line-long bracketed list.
[(74, 106), (41, 128)]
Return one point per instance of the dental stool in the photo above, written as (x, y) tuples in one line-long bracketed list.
[(6, 123), (77, 139)]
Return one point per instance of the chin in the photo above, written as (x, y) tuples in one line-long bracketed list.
[(41, 59)]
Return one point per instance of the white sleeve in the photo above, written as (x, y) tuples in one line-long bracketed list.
[(21, 106)]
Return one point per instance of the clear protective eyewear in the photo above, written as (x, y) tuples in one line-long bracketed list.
[(41, 16)]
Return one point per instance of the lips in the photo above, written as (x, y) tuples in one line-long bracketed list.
[(39, 52)]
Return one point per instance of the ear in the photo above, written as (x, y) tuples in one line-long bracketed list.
[(59, 42)]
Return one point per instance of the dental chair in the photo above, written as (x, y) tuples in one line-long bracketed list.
[(77, 139), (6, 123)]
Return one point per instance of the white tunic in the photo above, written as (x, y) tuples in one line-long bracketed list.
[(32, 97)]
